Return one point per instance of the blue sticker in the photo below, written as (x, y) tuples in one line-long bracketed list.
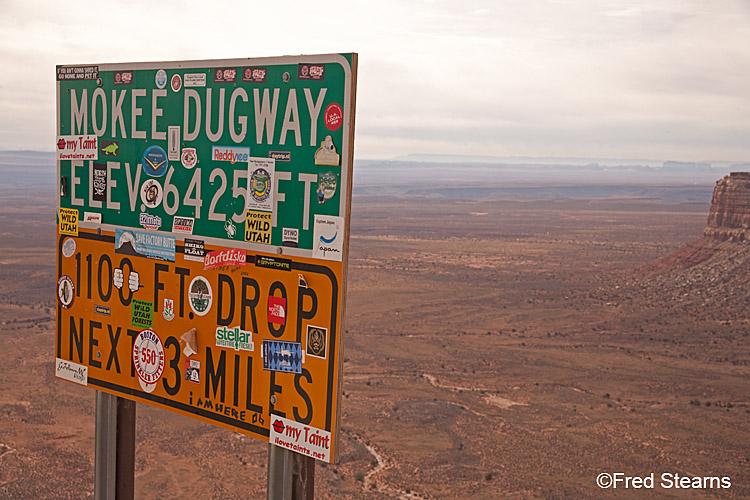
[(143, 244), (279, 356), (154, 161)]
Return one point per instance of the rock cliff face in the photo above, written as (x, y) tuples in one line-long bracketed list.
[(729, 218)]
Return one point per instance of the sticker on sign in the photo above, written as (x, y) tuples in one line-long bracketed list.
[(301, 438)]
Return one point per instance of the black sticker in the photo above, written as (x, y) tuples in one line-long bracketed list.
[(109, 148), (194, 250), (99, 182), (77, 72), (123, 77), (254, 74), (225, 75), (273, 263), (306, 71)]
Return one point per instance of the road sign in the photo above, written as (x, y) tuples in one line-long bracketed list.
[(202, 241)]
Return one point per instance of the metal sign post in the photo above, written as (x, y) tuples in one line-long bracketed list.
[(114, 460), (291, 476)]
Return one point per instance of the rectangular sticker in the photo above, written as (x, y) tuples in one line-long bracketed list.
[(183, 225), (77, 147), (232, 154), (254, 74), (78, 73), (273, 263), (300, 438), (228, 257), (307, 71), (99, 183), (328, 237), (194, 80), (280, 356), (316, 341), (142, 313), (94, 217), (290, 237), (72, 372), (280, 155), (260, 184), (194, 250), (173, 143), (225, 75), (258, 227), (69, 221), (142, 244)]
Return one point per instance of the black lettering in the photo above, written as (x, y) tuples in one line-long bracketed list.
[(182, 272), (224, 279), (305, 314), (215, 377), (277, 330), (309, 414), (158, 285), (174, 364), (74, 338), (251, 303), (107, 279), (78, 275), (249, 389), (113, 339), (93, 342), (236, 394), (88, 291), (132, 334)]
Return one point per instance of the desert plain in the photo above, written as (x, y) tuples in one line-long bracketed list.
[(496, 348)]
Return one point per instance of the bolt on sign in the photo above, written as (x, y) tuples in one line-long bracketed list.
[(203, 236)]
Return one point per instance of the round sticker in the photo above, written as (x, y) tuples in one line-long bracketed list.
[(189, 157), (161, 79), (151, 193), (176, 83), (154, 161), (333, 116), (261, 181), (66, 291), (69, 247), (200, 295), (148, 358)]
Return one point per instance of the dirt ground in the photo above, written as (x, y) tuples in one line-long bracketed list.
[(494, 349)]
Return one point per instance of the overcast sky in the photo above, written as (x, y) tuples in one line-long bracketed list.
[(660, 79)]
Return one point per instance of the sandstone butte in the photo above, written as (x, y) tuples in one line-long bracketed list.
[(729, 217)]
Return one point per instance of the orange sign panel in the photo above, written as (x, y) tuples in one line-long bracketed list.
[(238, 339)]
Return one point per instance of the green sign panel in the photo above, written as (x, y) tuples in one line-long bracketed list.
[(247, 150)]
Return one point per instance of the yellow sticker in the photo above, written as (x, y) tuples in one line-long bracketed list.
[(69, 221), (258, 227)]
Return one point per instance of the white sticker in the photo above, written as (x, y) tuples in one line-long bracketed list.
[(77, 147), (260, 184), (301, 438), (72, 372), (194, 80), (94, 217), (173, 143), (161, 79), (328, 237), (69, 247)]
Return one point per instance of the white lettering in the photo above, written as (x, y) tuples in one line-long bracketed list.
[(133, 186), (156, 112), (135, 113), (278, 196), (265, 115), (307, 179), (314, 110), (117, 114), (79, 115), (74, 181), (213, 137), (99, 93), (239, 92), (291, 119), (191, 135)]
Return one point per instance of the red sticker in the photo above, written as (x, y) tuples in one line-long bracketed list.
[(276, 310), (333, 116)]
